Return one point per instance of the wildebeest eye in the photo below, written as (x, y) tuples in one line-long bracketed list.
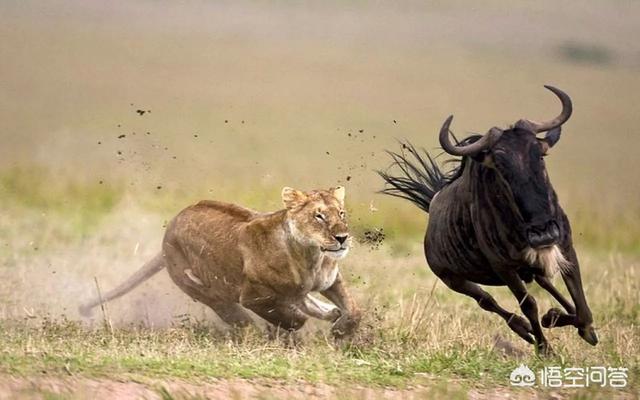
[(544, 147)]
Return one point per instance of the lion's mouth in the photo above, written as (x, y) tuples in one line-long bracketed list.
[(338, 250), (336, 254)]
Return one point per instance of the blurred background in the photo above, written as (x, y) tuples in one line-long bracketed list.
[(116, 115)]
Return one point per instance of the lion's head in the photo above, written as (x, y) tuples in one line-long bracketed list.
[(318, 218)]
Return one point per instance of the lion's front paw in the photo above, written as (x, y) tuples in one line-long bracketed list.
[(334, 314), (345, 326)]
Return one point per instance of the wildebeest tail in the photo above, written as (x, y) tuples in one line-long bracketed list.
[(419, 177)]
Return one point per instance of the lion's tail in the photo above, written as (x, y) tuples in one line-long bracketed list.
[(149, 269)]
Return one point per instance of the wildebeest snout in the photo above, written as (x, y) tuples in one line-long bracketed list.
[(543, 235)]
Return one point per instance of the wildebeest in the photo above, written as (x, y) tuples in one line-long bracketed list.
[(495, 220)]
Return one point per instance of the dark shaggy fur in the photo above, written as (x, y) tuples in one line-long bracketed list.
[(421, 177)]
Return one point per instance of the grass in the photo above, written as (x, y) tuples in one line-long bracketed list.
[(416, 332), (78, 206), (83, 204), (392, 351), (196, 352), (581, 53), (57, 234)]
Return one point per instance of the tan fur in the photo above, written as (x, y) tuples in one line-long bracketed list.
[(224, 255), (550, 259)]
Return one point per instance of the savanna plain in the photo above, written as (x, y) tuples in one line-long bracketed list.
[(114, 118)]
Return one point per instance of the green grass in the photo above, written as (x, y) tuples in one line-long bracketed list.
[(83, 204), (415, 333), (77, 206), (196, 353), (183, 353), (411, 336)]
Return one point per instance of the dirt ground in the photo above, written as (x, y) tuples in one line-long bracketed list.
[(84, 388)]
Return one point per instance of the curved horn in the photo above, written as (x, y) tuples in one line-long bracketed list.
[(567, 109), (483, 143)]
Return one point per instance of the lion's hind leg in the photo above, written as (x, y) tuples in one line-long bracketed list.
[(219, 299), (233, 314), (230, 313)]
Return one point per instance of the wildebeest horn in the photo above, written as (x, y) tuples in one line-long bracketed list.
[(567, 109), (476, 147)]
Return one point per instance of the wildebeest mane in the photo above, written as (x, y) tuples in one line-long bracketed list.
[(421, 177)]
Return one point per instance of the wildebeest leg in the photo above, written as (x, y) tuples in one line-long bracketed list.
[(556, 317), (546, 284), (573, 281), (528, 306), (518, 324)]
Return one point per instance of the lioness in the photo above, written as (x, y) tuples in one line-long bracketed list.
[(231, 258)]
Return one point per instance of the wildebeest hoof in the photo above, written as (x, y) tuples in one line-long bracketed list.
[(589, 335), (545, 350), (522, 327), (551, 317)]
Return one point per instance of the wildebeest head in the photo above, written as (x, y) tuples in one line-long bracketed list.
[(516, 154)]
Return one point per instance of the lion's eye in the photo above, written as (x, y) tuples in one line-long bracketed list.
[(342, 214), (320, 217)]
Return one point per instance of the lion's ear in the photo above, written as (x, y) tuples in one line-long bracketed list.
[(292, 197), (339, 193)]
